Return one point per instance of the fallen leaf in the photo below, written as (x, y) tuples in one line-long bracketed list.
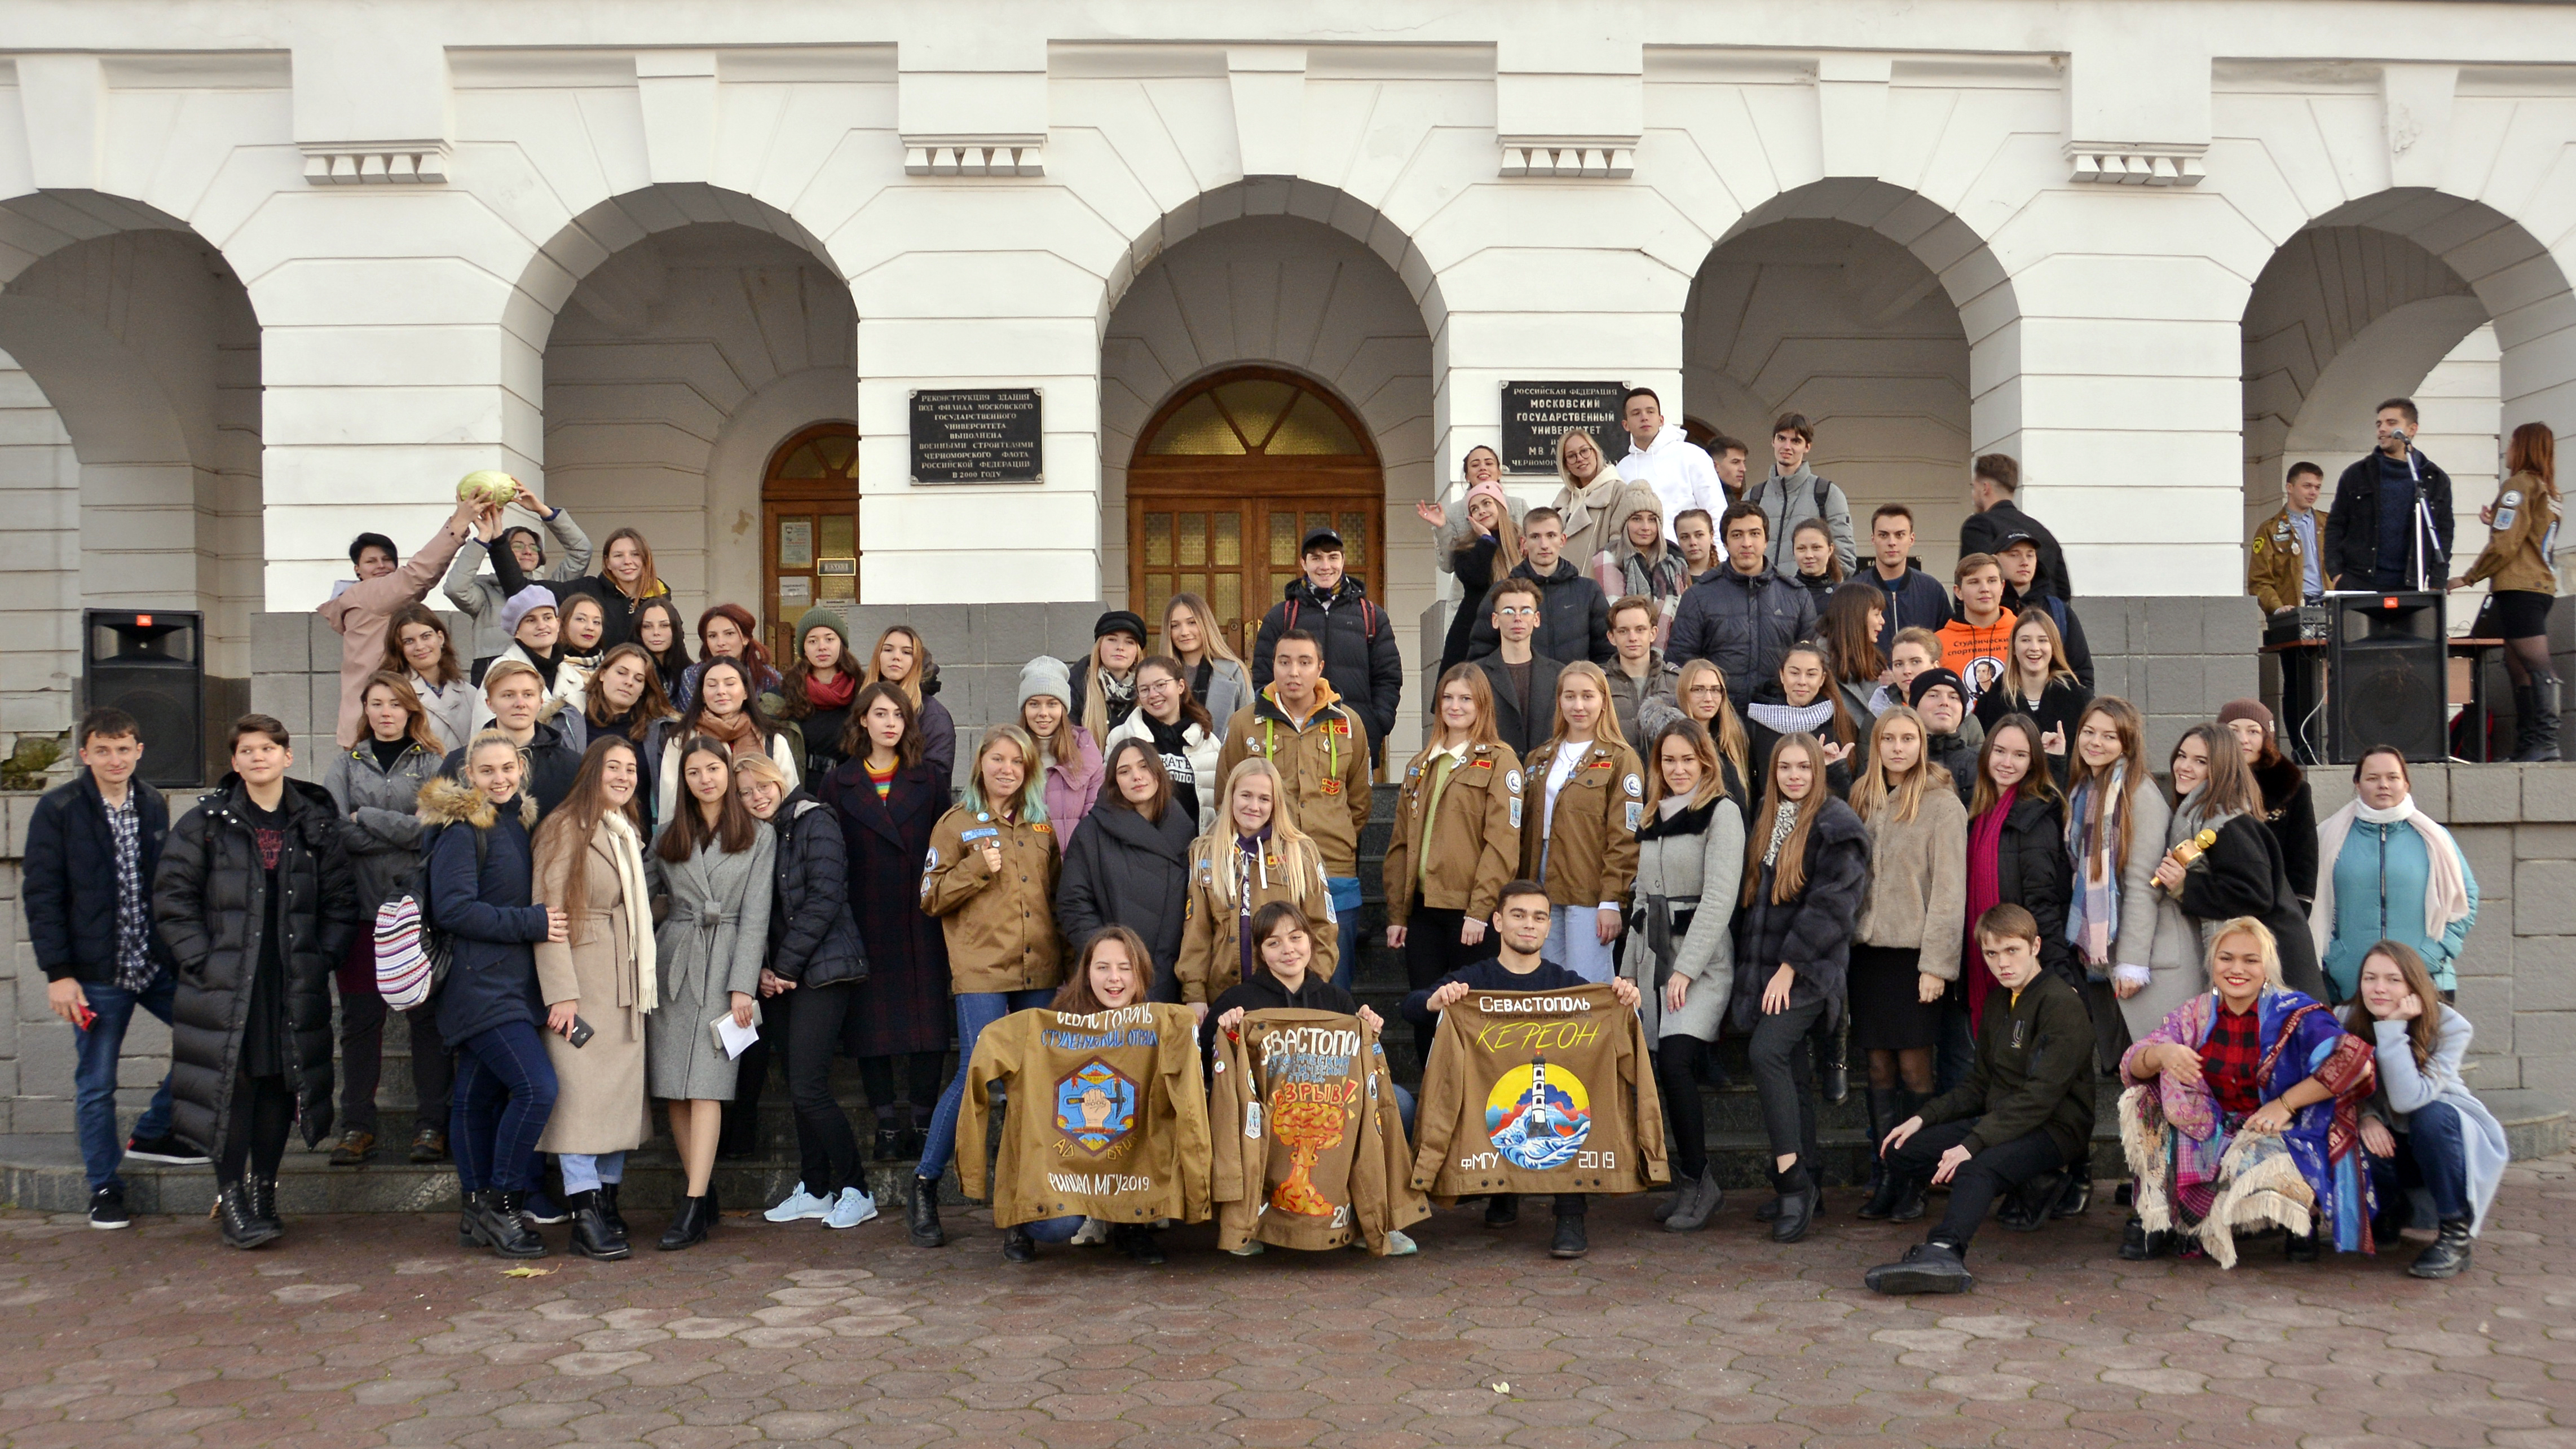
[(1502, 1388), (525, 1272)]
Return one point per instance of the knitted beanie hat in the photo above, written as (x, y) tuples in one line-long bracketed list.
[(1046, 675)]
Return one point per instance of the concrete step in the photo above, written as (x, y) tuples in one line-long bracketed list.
[(2535, 1125)]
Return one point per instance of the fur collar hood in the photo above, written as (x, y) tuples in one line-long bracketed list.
[(453, 802)]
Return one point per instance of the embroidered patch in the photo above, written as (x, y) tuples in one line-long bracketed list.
[(1041, 827), (932, 863), (1635, 813), (2512, 498), (1635, 787), (1512, 781), (1252, 1120), (1332, 787), (2258, 543), (971, 836), (1483, 764), (2504, 518), (1516, 811)]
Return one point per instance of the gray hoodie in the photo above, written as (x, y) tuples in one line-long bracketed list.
[(1786, 502)]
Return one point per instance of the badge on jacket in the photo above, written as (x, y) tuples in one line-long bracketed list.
[(1635, 788), (1331, 787)]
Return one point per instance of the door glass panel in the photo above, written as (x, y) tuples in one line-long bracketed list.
[(1158, 599), (1256, 404), (840, 535), (1354, 531), (1312, 429), (1227, 601), (1283, 540), (1188, 584), (1158, 540), (1196, 428), (1229, 541), (1193, 540)]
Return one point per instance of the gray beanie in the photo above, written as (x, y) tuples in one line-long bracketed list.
[(534, 596), (1046, 675)]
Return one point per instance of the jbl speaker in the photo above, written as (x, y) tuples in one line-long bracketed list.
[(153, 667), (2384, 676)]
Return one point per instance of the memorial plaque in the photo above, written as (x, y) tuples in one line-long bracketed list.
[(1535, 414), (986, 435)]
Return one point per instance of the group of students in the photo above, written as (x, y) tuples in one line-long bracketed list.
[(627, 846)]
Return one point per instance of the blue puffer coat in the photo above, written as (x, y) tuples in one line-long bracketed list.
[(492, 976)]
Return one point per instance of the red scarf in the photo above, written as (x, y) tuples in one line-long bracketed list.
[(832, 693)]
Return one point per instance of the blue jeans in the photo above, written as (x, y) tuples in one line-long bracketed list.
[(976, 1010), (94, 1075), (2431, 1155), (584, 1172), (505, 1091), (1345, 893)]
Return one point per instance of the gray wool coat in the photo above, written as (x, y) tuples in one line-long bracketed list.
[(709, 946), (379, 819), (1707, 864)]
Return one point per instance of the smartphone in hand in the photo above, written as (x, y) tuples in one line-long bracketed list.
[(580, 1034)]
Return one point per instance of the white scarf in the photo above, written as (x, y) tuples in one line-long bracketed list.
[(625, 847), (2446, 890)]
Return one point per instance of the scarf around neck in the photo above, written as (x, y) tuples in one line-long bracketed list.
[(2093, 918), (735, 733), (625, 847), (2446, 889), (834, 693), (1789, 719)]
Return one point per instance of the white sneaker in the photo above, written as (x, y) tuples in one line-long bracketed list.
[(798, 1206), (1092, 1231), (1253, 1249), (1398, 1244), (850, 1209)]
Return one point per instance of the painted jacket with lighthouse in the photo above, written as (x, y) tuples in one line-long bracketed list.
[(1107, 1118), (1543, 1089), (1310, 1146)]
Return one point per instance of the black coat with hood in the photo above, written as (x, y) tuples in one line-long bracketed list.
[(1121, 869), (1358, 639), (486, 907), (1743, 624), (1573, 616), (552, 765), (813, 938), (210, 902), (2033, 871), (1812, 931)]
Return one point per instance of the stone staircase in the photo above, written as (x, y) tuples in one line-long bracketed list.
[(43, 1172)]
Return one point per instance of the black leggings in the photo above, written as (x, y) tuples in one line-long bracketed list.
[(1983, 1178), (1677, 1063), (1431, 951), (828, 1150), (263, 1114), (921, 1079)]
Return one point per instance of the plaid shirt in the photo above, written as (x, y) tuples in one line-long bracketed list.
[(2231, 1057), (133, 907)]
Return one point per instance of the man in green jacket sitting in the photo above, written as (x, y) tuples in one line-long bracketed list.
[(2023, 1115)]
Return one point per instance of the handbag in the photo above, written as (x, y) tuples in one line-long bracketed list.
[(412, 954)]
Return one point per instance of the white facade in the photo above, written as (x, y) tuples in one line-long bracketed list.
[(286, 272)]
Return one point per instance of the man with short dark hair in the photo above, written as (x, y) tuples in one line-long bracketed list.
[(2390, 527), (1793, 494), (2285, 564), (1661, 457), (1574, 616), (1300, 723), (1643, 684), (1742, 615), (1355, 635), (1734, 464), (1523, 681), (93, 843), (1995, 483), (1915, 599)]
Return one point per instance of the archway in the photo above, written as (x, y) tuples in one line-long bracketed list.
[(809, 497), (1229, 476)]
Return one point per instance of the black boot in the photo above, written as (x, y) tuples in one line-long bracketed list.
[(1570, 1240), (263, 1201), (1882, 1120), (1137, 1241), (2448, 1255), (241, 1226), (1502, 1210), (2079, 1190), (466, 1236), (921, 1215), (1909, 1206), (889, 1143), (608, 1208), (1933, 1267), (2538, 703), (593, 1236), (1798, 1199), (2028, 1207), (498, 1225), (1018, 1246), (2137, 1245), (1837, 1055), (689, 1225)]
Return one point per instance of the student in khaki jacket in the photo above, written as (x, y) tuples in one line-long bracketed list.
[(1580, 838), (1251, 854), (1457, 837), (990, 879), (2524, 518), (1321, 747), (2285, 561)]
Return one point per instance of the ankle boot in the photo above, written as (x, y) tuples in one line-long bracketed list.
[(499, 1226), (689, 1225), (240, 1225), (1798, 1198), (2448, 1255), (2538, 704), (921, 1215), (593, 1236), (1833, 1053), (608, 1208), (263, 1201), (1697, 1199), (1018, 1246), (466, 1234), (1882, 1106)]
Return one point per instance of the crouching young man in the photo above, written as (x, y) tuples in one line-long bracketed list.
[(2024, 1114)]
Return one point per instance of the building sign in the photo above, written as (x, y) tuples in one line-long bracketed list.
[(1536, 414), (989, 435)]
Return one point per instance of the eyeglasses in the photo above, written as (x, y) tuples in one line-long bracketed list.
[(1523, 612)]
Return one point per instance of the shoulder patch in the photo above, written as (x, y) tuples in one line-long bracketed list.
[(1636, 812), (1042, 828), (1636, 788), (1512, 781), (2258, 545), (933, 862), (2512, 497)]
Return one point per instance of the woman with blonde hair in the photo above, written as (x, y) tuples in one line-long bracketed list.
[(1217, 678), (1580, 840), (1905, 952), (902, 658), (1250, 854), (1701, 692), (2241, 1111), (1590, 502), (1457, 838), (1680, 952), (2520, 559), (2039, 682), (989, 877), (1068, 756)]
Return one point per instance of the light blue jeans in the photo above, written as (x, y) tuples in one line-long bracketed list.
[(584, 1172), (976, 1010)]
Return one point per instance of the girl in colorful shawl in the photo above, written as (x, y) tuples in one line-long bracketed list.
[(2242, 1112)]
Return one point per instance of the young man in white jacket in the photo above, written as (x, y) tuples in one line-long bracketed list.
[(1662, 458)]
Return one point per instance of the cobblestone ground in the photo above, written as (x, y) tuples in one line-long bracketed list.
[(359, 1331)]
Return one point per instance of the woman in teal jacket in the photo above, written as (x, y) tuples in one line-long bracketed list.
[(2389, 873)]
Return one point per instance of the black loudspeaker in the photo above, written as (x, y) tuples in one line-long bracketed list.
[(153, 667), (2385, 680)]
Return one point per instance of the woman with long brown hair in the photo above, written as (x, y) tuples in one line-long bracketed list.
[(1701, 692), (1806, 867), (724, 712), (628, 581), (1457, 839), (1128, 864), (418, 649), (2424, 1130), (1803, 699), (660, 632), (2219, 863), (2519, 558), (602, 976), (812, 701), (716, 863), (1849, 624), (1680, 952), (727, 631), (901, 658), (2039, 682), (1218, 680), (2116, 818)]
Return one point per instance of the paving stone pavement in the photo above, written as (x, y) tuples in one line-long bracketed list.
[(379, 1330)]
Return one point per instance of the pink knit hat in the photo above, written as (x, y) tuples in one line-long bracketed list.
[(1488, 489)]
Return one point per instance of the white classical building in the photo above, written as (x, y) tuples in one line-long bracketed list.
[(276, 273)]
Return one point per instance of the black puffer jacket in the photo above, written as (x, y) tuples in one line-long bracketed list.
[(1358, 639), (1573, 616), (1742, 624), (70, 883), (813, 939), (2034, 872), (1812, 933), (210, 901), (1121, 869)]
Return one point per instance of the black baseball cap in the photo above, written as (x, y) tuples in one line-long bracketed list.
[(2018, 536), (1322, 540)]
